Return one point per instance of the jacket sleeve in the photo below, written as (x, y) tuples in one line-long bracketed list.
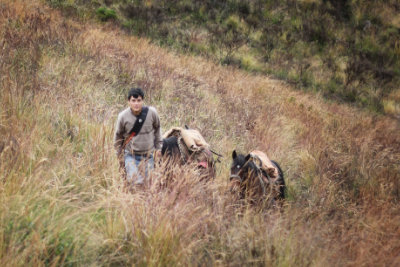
[(119, 135), (157, 131)]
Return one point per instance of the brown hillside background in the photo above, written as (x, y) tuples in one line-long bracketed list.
[(63, 83)]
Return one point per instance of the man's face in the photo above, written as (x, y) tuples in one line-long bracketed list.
[(136, 104)]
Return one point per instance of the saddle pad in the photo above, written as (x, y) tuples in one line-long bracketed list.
[(192, 138), (267, 164)]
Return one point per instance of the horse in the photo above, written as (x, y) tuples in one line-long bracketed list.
[(175, 151), (252, 180)]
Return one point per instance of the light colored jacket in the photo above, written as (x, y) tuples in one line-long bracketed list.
[(149, 137)]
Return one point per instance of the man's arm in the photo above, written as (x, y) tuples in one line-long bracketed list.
[(157, 131), (119, 135)]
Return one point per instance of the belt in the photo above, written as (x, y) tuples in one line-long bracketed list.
[(143, 154)]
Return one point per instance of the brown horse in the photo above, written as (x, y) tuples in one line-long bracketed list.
[(255, 182)]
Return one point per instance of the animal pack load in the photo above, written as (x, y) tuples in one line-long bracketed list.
[(190, 147), (265, 164)]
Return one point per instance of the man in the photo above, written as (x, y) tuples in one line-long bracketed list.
[(137, 136)]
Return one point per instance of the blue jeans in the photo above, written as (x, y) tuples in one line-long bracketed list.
[(134, 165)]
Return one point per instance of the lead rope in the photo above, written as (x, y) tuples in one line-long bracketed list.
[(260, 173), (181, 150), (262, 181)]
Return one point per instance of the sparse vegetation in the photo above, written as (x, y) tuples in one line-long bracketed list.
[(62, 85)]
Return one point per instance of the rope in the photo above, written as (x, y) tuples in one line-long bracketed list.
[(262, 182), (181, 149), (260, 174)]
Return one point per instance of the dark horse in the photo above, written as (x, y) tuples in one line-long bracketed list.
[(177, 153), (250, 181)]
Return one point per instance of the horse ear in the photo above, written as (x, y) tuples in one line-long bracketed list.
[(247, 157), (234, 155)]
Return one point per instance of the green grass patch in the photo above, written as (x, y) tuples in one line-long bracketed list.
[(105, 14)]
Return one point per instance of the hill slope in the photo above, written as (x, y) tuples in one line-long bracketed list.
[(62, 85), (346, 50)]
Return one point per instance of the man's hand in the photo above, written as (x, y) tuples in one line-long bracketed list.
[(121, 160)]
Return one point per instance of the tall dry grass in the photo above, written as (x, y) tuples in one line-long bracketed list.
[(63, 201)]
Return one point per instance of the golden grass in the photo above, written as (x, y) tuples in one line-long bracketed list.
[(63, 201)]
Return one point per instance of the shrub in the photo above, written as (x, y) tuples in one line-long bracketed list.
[(105, 14), (334, 85), (248, 62)]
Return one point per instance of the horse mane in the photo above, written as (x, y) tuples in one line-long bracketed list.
[(248, 165), (251, 167), (168, 145)]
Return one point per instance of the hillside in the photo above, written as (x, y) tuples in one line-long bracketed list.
[(347, 51), (63, 82)]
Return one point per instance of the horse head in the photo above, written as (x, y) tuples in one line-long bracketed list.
[(244, 173), (238, 162), (243, 165)]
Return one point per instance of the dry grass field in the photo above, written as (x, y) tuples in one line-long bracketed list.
[(63, 83)]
